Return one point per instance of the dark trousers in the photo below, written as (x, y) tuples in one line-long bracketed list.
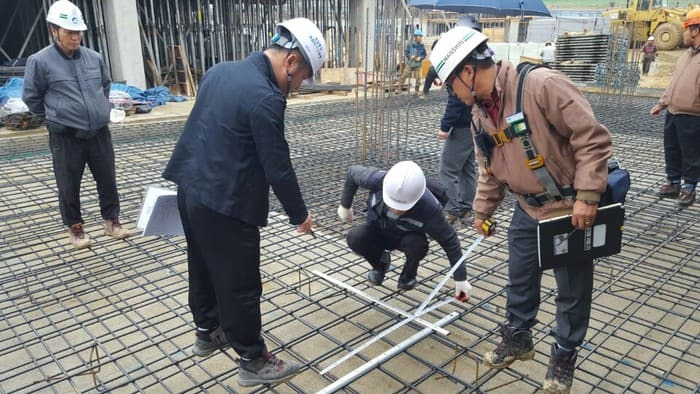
[(646, 63), (682, 147), (370, 242), (70, 154), (574, 284), (223, 261), (458, 171), (429, 79)]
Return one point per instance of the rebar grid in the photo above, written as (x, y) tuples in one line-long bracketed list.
[(115, 317)]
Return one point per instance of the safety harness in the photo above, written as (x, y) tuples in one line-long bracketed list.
[(518, 128)]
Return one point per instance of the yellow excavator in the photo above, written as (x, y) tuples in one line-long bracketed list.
[(644, 18)]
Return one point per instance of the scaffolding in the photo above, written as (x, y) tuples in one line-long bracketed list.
[(115, 317)]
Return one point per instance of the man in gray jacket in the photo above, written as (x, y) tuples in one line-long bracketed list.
[(69, 85)]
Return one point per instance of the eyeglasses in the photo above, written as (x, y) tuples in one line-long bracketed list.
[(450, 80)]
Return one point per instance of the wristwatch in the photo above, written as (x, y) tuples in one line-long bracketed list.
[(591, 202)]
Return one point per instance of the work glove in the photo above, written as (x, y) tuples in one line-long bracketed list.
[(345, 214), (462, 290)]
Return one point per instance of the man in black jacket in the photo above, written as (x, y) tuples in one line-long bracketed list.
[(401, 210), (231, 151)]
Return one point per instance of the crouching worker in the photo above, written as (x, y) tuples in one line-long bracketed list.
[(401, 211), (539, 139)]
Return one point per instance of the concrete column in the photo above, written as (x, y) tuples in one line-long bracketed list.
[(365, 20), (124, 41)]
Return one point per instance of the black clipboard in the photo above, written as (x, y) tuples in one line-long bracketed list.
[(560, 244)]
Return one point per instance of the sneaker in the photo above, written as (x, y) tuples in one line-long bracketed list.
[(376, 276), (686, 197), (206, 343), (78, 237), (560, 373), (670, 189), (407, 284), (266, 369), (114, 229), (515, 345)]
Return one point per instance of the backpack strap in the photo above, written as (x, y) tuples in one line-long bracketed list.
[(534, 161)]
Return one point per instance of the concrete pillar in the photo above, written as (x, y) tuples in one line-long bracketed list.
[(124, 41), (364, 19)]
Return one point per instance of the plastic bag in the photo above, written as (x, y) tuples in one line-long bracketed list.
[(13, 106), (120, 100)]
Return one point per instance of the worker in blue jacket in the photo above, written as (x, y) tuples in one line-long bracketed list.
[(401, 213), (231, 151), (414, 55)]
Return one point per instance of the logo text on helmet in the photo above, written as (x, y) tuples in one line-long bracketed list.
[(317, 44), (454, 49)]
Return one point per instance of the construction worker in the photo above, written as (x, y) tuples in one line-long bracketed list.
[(69, 85), (431, 77), (414, 54), (548, 53), (649, 54), (457, 164), (231, 151), (552, 154), (682, 124), (401, 211)]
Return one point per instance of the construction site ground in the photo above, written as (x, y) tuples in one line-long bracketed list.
[(115, 318)]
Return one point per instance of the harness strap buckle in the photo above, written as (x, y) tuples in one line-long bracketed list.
[(535, 163)]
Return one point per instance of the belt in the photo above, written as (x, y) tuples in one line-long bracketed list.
[(540, 199)]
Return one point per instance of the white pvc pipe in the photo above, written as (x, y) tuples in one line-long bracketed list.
[(449, 274), (377, 361), (382, 303), (384, 333)]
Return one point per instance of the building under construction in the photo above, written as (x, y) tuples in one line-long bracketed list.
[(115, 317)]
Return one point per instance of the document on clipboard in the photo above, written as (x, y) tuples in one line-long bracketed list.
[(559, 243), (159, 213)]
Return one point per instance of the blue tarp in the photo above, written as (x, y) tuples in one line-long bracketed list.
[(154, 96), (11, 89)]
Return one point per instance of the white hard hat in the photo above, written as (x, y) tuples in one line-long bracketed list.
[(67, 15), (403, 185), (456, 45), (651, 38), (307, 37)]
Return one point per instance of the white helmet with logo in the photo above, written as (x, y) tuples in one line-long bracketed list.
[(67, 15), (454, 47), (403, 185), (307, 37)]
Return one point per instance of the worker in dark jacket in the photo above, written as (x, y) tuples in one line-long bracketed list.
[(69, 85), (401, 210), (231, 151), (457, 164)]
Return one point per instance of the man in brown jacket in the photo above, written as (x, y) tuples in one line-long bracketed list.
[(574, 148), (682, 123)]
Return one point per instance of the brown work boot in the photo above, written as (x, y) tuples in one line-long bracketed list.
[(670, 190), (114, 229), (78, 237), (686, 197)]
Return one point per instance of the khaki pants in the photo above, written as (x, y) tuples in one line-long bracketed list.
[(411, 73)]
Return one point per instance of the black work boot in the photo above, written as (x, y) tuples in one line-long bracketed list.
[(207, 342), (669, 189), (560, 373), (266, 369), (515, 345), (407, 283), (376, 276)]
